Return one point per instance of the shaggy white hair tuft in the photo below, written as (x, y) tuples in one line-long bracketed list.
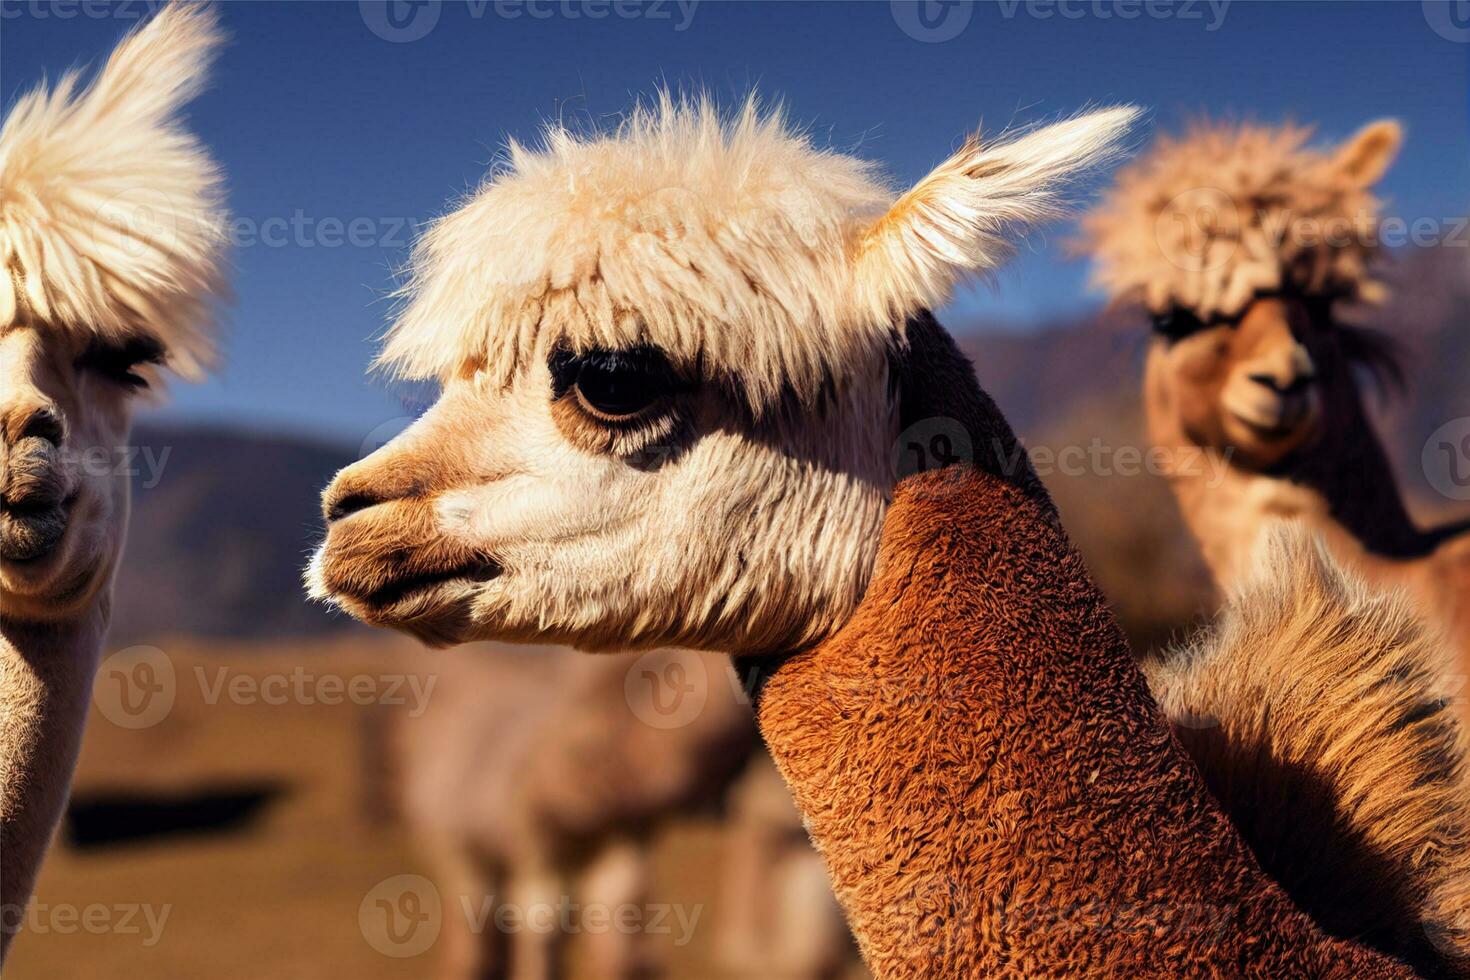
[(730, 242), (111, 215)]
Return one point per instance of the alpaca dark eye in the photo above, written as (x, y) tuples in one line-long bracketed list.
[(117, 362), (1176, 324), (614, 384)]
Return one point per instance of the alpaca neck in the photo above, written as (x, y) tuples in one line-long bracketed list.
[(980, 762), (1350, 468), (46, 673)]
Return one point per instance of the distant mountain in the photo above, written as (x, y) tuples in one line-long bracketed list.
[(219, 538)]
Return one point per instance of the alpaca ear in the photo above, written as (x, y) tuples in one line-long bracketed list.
[(113, 220), (1365, 158), (958, 220)]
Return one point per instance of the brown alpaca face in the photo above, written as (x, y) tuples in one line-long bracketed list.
[(1248, 386), (64, 417)]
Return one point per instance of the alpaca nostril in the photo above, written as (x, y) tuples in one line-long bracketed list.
[(38, 422), (44, 424), (1296, 385), (349, 504), (1270, 382), (1265, 381), (1299, 384)]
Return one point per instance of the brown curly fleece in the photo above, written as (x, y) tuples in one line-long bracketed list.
[(979, 759)]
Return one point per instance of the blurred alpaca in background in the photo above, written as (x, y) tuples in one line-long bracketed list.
[(781, 920), (541, 776), (1241, 243), (111, 235)]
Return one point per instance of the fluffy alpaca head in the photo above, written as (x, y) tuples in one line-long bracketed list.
[(1238, 240), (1206, 221), (1319, 712), (667, 410), (110, 242)]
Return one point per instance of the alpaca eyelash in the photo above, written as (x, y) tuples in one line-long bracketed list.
[(566, 365), (1176, 324), (617, 389), (117, 362)]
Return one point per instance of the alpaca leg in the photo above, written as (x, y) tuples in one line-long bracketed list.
[(751, 851), (613, 893), (811, 941), (471, 889), (534, 921)]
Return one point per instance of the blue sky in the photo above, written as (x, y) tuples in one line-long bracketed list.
[(344, 125)]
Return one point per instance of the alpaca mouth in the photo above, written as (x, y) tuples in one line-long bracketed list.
[(1280, 421), (1268, 430), (29, 532), (417, 586)]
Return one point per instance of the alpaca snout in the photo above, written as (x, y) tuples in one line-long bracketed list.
[(33, 490), (29, 534)]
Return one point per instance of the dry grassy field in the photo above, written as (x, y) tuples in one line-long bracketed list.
[(273, 845)]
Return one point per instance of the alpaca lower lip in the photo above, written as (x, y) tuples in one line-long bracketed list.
[(415, 585), (1274, 429), (1270, 431), (29, 533)]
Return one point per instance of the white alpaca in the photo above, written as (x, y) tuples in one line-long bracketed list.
[(111, 235)]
